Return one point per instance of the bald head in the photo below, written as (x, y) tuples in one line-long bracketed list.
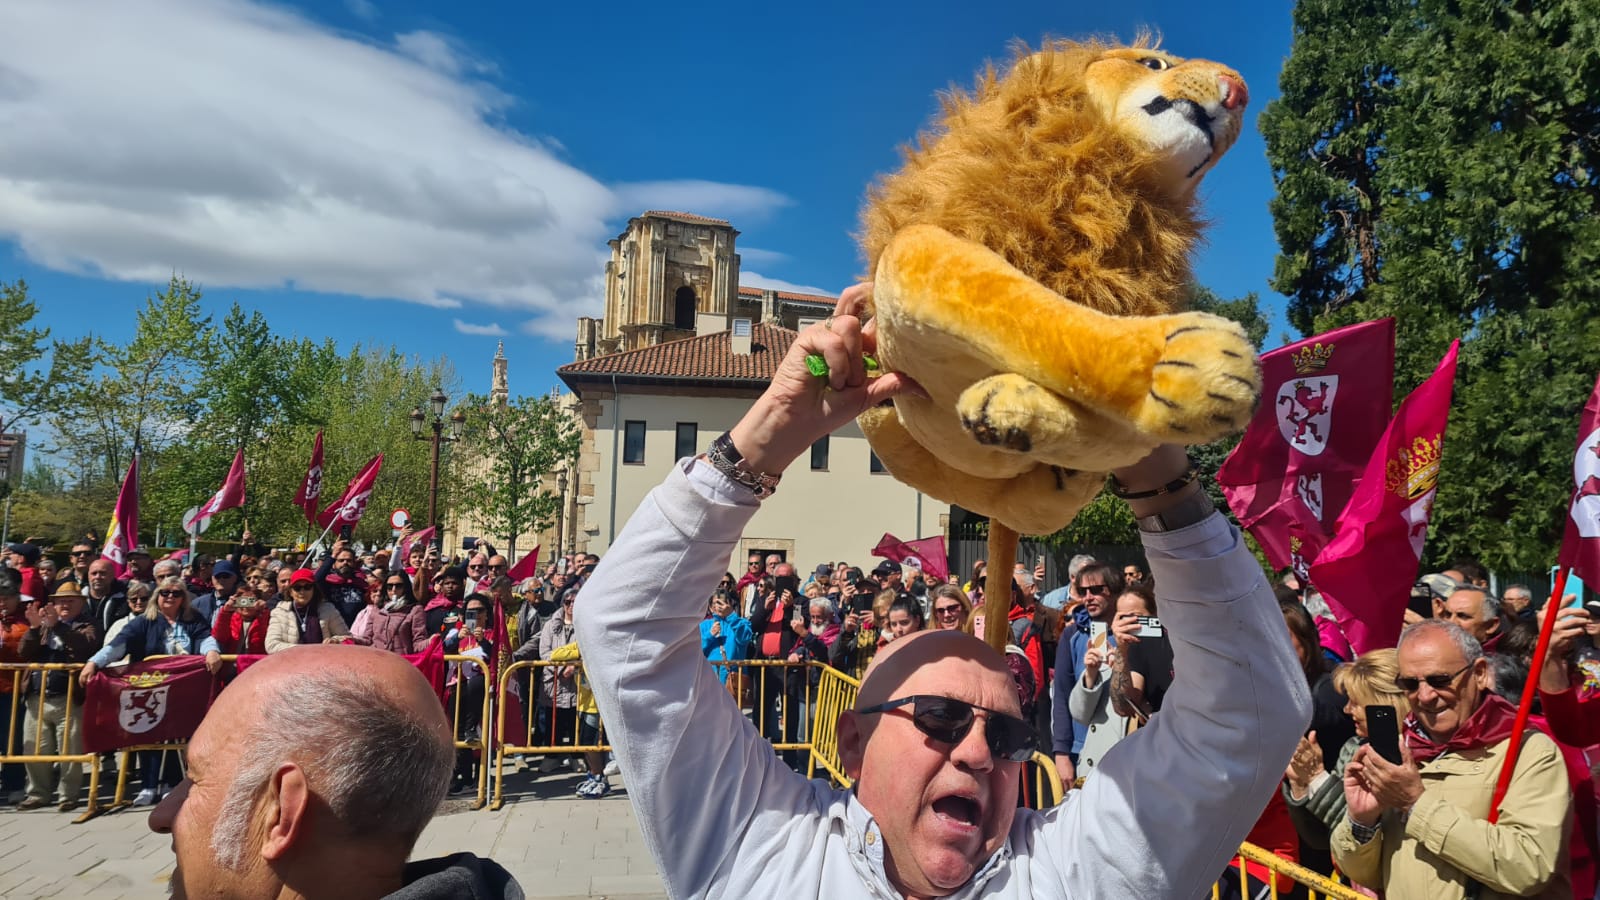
[(924, 654)]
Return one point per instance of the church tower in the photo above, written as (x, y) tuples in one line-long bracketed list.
[(499, 393), (670, 275)]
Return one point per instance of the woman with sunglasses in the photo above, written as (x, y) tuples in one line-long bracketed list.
[(952, 611), (138, 597), (935, 744), (305, 618), (397, 621), (168, 627)]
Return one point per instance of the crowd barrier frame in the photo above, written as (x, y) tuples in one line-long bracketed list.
[(14, 748)]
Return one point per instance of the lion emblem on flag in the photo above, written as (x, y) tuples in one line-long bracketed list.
[(1305, 407), (142, 710), (1586, 478)]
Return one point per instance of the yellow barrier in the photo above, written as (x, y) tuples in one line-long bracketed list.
[(18, 751), (480, 744), (1317, 886)]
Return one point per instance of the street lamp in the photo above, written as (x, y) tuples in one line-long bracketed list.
[(561, 514), (457, 421)]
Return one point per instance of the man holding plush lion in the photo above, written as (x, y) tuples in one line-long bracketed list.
[(1010, 264)]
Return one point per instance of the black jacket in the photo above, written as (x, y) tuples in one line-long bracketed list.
[(460, 876)]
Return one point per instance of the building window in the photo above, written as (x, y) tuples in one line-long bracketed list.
[(874, 464), (684, 307), (633, 441), (688, 440), (819, 455)]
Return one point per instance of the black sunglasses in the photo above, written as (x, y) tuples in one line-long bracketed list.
[(1099, 590), (1437, 682), (77, 553), (171, 593), (948, 720)]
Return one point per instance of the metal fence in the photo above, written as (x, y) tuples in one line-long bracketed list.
[(27, 732)]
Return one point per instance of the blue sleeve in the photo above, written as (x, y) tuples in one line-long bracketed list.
[(743, 638), (707, 642), (1065, 731)]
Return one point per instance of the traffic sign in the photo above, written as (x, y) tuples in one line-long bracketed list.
[(399, 518), (194, 526)]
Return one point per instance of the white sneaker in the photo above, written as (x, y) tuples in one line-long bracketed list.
[(600, 789), (146, 797), (612, 768)]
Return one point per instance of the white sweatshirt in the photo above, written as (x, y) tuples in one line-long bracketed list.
[(723, 817)]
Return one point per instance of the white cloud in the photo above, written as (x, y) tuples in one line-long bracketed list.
[(752, 279), (274, 151), (492, 329), (362, 9), (755, 256)]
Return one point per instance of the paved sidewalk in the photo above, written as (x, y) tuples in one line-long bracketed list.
[(556, 845)]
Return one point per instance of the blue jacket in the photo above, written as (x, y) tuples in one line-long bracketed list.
[(143, 637), (1067, 733), (733, 644)]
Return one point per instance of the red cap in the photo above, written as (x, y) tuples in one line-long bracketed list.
[(302, 575)]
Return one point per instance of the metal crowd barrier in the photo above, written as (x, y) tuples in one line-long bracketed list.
[(17, 750), (1316, 885)]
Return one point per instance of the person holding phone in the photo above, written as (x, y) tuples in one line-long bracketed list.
[(779, 622), (1313, 789), (1419, 828)]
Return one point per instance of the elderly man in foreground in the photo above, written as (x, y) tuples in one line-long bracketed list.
[(935, 742), (1420, 828), (313, 775)]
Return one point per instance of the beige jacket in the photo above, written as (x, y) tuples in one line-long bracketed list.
[(1447, 840), (283, 629)]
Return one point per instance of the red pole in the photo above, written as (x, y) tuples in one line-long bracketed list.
[(1528, 692)]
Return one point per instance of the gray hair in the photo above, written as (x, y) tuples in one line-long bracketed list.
[(1077, 563), (821, 603), (137, 590), (1491, 604), (1521, 589), (170, 566), (1471, 650), (381, 769)]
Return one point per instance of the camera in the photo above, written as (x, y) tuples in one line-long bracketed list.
[(1150, 627)]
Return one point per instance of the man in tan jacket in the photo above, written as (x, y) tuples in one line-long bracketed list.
[(1420, 828)]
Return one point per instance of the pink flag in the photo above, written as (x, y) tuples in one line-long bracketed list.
[(310, 493), (1325, 402), (122, 535), (347, 510), (423, 537), (927, 554), (526, 567), (1367, 569), (1580, 545), (230, 495)]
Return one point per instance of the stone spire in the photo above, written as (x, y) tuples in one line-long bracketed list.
[(499, 392)]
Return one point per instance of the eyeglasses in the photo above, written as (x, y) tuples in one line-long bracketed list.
[(492, 568), (1437, 682), (171, 593), (948, 720), (1098, 590), (473, 568), (300, 586), (943, 611), (1130, 573), (396, 584), (80, 553)]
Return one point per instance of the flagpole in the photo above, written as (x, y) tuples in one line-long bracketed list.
[(313, 548), (1529, 690)]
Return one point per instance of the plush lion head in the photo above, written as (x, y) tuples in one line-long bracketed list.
[(1078, 166)]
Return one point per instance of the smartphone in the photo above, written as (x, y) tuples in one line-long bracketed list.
[(470, 622), (1383, 732), (1097, 632), (1150, 627), (789, 583), (861, 602)]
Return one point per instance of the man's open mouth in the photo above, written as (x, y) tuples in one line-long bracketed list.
[(958, 810)]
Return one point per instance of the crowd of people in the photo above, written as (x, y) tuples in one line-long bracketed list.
[(254, 600)]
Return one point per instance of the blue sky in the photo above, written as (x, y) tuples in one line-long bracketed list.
[(439, 176)]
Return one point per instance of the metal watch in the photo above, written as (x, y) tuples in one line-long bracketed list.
[(727, 459), (1195, 508)]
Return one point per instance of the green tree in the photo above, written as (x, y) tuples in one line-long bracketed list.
[(1436, 161), (27, 391), (510, 447)]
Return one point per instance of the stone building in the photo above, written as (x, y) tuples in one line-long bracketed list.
[(677, 359)]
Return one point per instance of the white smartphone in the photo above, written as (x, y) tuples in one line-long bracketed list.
[(1097, 633), (1150, 626)]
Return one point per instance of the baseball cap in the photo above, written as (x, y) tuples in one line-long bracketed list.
[(824, 570), (139, 550), (28, 552), (302, 575), (225, 567), (886, 568)]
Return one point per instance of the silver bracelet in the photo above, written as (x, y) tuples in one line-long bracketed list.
[(726, 458), (1195, 508)]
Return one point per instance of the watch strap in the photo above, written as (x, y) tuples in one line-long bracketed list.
[(726, 458), (1191, 510)]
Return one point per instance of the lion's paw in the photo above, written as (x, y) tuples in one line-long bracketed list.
[(1206, 382), (1009, 412)]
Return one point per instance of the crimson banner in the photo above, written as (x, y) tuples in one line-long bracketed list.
[(927, 554), (1580, 545), (146, 703), (1325, 401)]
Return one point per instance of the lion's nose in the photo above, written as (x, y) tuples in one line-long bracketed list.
[(1234, 94)]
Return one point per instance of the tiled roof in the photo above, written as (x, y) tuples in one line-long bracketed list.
[(707, 358), (746, 290), (683, 217)]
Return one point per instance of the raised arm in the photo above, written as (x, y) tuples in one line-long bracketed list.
[(1168, 796), (670, 720)]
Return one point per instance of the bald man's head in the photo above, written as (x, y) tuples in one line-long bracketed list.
[(351, 740), (898, 661)]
